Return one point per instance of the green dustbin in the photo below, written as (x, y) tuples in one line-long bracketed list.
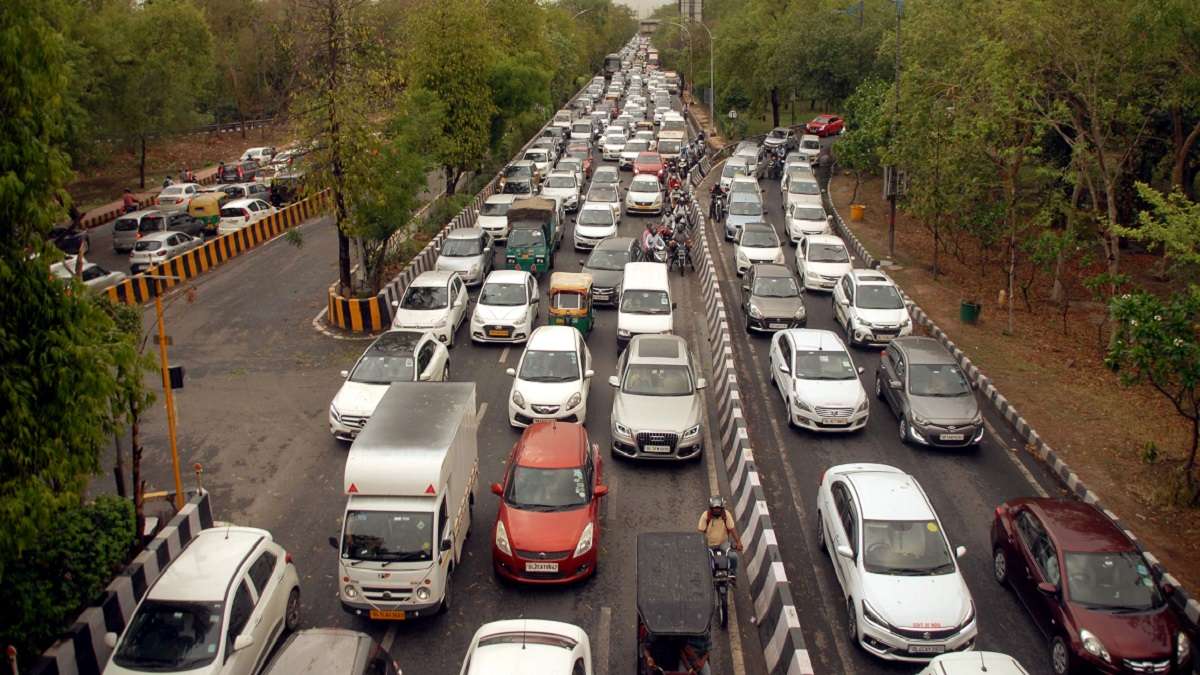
[(968, 312)]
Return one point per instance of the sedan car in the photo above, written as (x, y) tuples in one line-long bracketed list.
[(657, 413), (394, 356), (612, 145), (595, 223), (821, 261), (629, 153), (805, 220), (507, 308), (434, 301), (905, 596), (974, 663), (817, 381), (780, 137), (1088, 588), (608, 195), (91, 275), (242, 213), (606, 175), (869, 307), (548, 524), (529, 646), (800, 189), (921, 382), (493, 216), (825, 125), (757, 243), (606, 264), (176, 197), (468, 251), (157, 221), (645, 196), (772, 300), (552, 379), (564, 187), (158, 247), (331, 651), (743, 208), (650, 163)]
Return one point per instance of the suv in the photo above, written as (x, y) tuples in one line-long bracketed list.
[(657, 412), (869, 307), (780, 137), (218, 608), (921, 382)]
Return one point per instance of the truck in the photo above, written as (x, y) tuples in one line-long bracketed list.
[(410, 486), (535, 231)]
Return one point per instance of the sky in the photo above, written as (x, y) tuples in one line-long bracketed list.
[(644, 7)]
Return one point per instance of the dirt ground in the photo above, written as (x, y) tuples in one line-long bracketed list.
[(1055, 378)]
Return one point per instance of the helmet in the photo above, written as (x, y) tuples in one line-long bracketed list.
[(716, 502)]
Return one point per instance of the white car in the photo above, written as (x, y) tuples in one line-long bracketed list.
[(493, 216), (974, 663), (633, 148), (757, 243), (540, 158), (905, 596), (468, 251), (434, 301), (176, 197), (868, 306), (817, 381), (596, 222), (261, 155), (242, 213), (810, 148), (800, 190), (552, 379), (91, 275), (519, 646), (607, 194), (606, 175), (612, 145), (796, 165), (564, 187), (806, 220), (645, 195), (217, 609), (507, 308), (394, 356), (821, 261), (734, 166)]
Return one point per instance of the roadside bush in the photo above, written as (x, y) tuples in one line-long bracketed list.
[(82, 548)]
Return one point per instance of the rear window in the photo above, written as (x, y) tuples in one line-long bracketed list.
[(125, 225), (232, 213), (147, 245), (151, 224)]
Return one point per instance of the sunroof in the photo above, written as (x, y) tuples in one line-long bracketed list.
[(659, 348)]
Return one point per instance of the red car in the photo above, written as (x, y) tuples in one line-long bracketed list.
[(651, 163), (825, 125), (548, 525), (1088, 589), (584, 152)]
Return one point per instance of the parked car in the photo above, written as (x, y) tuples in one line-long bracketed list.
[(91, 275), (493, 216), (158, 247), (262, 155), (606, 264), (645, 196), (772, 300), (563, 186), (127, 229), (596, 222), (242, 213), (331, 651), (528, 646), (804, 220), (869, 307), (825, 125), (394, 356), (157, 221), (1088, 588), (176, 197), (904, 593), (921, 382), (757, 243), (552, 379), (435, 301), (818, 381), (507, 309), (821, 261), (657, 411), (468, 251), (780, 137), (219, 607)]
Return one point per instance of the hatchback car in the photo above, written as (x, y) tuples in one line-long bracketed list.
[(742, 208), (552, 379), (772, 300), (606, 175), (563, 186), (91, 275), (870, 308), (818, 381), (582, 152), (757, 243), (734, 166), (629, 153), (541, 158), (394, 356), (522, 171), (644, 196), (804, 220), (507, 309), (905, 596), (810, 149), (262, 155), (242, 213), (127, 228), (217, 608), (331, 651), (1088, 588), (606, 264), (825, 125), (596, 222), (528, 646), (548, 523), (176, 197), (921, 382), (468, 251), (612, 145), (650, 163), (657, 413), (158, 247), (821, 261), (435, 301), (800, 189), (493, 216), (575, 166)]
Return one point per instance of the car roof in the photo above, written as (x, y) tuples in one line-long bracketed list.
[(507, 277), (241, 202), (810, 137), (432, 278), (759, 227), (500, 198), (647, 179), (204, 570), (552, 445), (871, 277), (1078, 527), (562, 173), (465, 233), (770, 270), (552, 338), (316, 651), (825, 239), (886, 493), (596, 206), (815, 340), (396, 341), (920, 349), (618, 243), (671, 349)]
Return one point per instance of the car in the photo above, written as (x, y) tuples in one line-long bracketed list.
[(750, 152), (582, 130), (1088, 588), (176, 197), (757, 243), (810, 149), (923, 384), (606, 265), (606, 194), (394, 356), (262, 155), (974, 663), (547, 527), (563, 186), (780, 137), (582, 152), (574, 165), (606, 175), (541, 158), (91, 275), (772, 300), (612, 145), (629, 153), (158, 221), (331, 651), (805, 220), (158, 247), (242, 213), (284, 159), (126, 229), (552, 378), (493, 215), (743, 208), (657, 411), (529, 646), (521, 171), (645, 196), (553, 147), (237, 172), (734, 166), (595, 223), (795, 165), (821, 261), (650, 163), (507, 309), (242, 190), (904, 593), (870, 308), (825, 125), (468, 251), (435, 301), (818, 381), (219, 607), (800, 190), (69, 239)]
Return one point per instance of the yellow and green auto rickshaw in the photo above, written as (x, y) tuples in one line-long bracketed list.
[(571, 300), (206, 207)]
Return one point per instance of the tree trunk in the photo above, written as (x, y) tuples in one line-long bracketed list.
[(139, 486), (857, 181), (142, 164), (119, 467), (1190, 467), (452, 176), (1182, 148)]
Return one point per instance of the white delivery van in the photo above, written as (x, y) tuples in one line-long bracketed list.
[(410, 481), (646, 305)]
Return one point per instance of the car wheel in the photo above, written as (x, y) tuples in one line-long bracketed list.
[(851, 621), (903, 429), (1060, 656), (787, 410), (878, 387), (821, 533), (445, 607), (291, 620), (446, 373), (849, 333), (1000, 566)]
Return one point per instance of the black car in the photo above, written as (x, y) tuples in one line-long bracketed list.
[(68, 239), (606, 264)]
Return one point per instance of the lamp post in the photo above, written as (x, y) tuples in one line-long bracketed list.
[(168, 391), (712, 77)]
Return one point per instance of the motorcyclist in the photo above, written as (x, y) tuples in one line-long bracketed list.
[(680, 238), (167, 182), (715, 194), (719, 529), (128, 201)]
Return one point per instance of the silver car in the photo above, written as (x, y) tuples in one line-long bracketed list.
[(158, 247), (657, 413), (467, 251), (127, 230), (922, 383), (743, 208)]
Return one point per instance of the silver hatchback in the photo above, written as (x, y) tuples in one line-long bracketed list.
[(158, 247), (468, 251)]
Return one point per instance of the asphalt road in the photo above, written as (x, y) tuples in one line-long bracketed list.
[(964, 486), (260, 377)]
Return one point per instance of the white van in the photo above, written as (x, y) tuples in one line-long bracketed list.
[(410, 482), (646, 305)]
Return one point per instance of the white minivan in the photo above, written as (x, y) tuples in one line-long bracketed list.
[(646, 306)]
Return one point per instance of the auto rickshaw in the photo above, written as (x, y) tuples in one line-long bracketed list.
[(206, 207), (571, 300), (674, 603)]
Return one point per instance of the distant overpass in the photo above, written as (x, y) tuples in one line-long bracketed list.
[(647, 26)]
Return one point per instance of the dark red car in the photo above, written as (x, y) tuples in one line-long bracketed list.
[(584, 152), (825, 125), (548, 525), (651, 163), (1088, 589)]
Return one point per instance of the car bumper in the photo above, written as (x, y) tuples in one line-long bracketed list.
[(523, 417), (587, 243), (819, 284), (570, 569), (887, 645), (489, 333), (811, 421), (653, 209), (497, 233), (771, 324), (346, 427), (798, 235), (628, 448), (411, 611), (878, 336), (604, 296), (942, 437), (611, 156)]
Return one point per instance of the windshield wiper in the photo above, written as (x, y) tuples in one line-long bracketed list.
[(1122, 609), (910, 571)]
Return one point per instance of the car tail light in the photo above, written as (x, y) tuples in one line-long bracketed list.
[(246, 214), (1001, 510), (287, 558)]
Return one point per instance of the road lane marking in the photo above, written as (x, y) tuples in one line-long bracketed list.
[(389, 637), (603, 643), (479, 415), (504, 354), (1011, 454)]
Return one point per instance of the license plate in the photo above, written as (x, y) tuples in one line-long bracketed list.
[(498, 333), (926, 649), (389, 614), (658, 449), (541, 567), (951, 437), (834, 420), (777, 325)]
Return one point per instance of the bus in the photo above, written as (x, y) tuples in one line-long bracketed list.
[(612, 64)]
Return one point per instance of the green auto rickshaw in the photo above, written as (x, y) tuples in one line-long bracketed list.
[(206, 207), (571, 301)]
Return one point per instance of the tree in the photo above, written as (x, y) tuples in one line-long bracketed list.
[(860, 146), (1172, 223)]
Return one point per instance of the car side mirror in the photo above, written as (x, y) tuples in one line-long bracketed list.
[(345, 374), (395, 303), (701, 383), (674, 305), (511, 372), (333, 543), (894, 384), (601, 490), (110, 640), (844, 551), (612, 379), (784, 367), (497, 489), (242, 641), (829, 219), (1048, 588), (588, 373), (860, 370), (960, 551)]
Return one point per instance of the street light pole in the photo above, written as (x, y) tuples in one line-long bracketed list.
[(712, 77), (895, 127), (168, 392)]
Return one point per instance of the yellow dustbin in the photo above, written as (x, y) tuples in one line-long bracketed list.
[(856, 212)]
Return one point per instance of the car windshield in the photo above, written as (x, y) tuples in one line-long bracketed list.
[(778, 133), (747, 206), (645, 302), (462, 248), (775, 287), (152, 224), (940, 379), (808, 213), (560, 182), (532, 489), (144, 245), (525, 237), (502, 295), (1115, 582), (824, 366), (668, 147), (605, 177), (734, 168), (811, 145), (388, 536), (644, 184), (828, 253), (905, 548), (537, 155), (425, 297), (166, 636), (570, 163), (600, 216), (637, 146), (803, 187), (581, 128), (495, 208), (759, 239), (519, 171), (607, 259), (872, 296), (549, 366), (643, 379), (125, 225), (614, 139), (602, 193), (518, 187)]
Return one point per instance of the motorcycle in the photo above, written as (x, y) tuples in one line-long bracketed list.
[(718, 207), (722, 576), (681, 257)]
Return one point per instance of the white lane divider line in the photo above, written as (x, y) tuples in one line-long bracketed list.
[(388, 638), (1011, 454), (603, 643), (504, 354), (480, 413)]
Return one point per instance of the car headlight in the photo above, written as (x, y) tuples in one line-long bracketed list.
[(1183, 649), (333, 412), (812, 275), (863, 406), (585, 541), (518, 399), (755, 313), (977, 419), (871, 615), (864, 323), (574, 400), (474, 269), (350, 591), (502, 538), (801, 405), (800, 313), (440, 324), (622, 430), (741, 257), (919, 421), (1093, 645), (692, 433), (423, 593), (621, 332)]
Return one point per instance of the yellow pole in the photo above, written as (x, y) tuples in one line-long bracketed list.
[(168, 394)]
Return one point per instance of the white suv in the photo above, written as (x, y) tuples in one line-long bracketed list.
[(870, 309), (218, 608)]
